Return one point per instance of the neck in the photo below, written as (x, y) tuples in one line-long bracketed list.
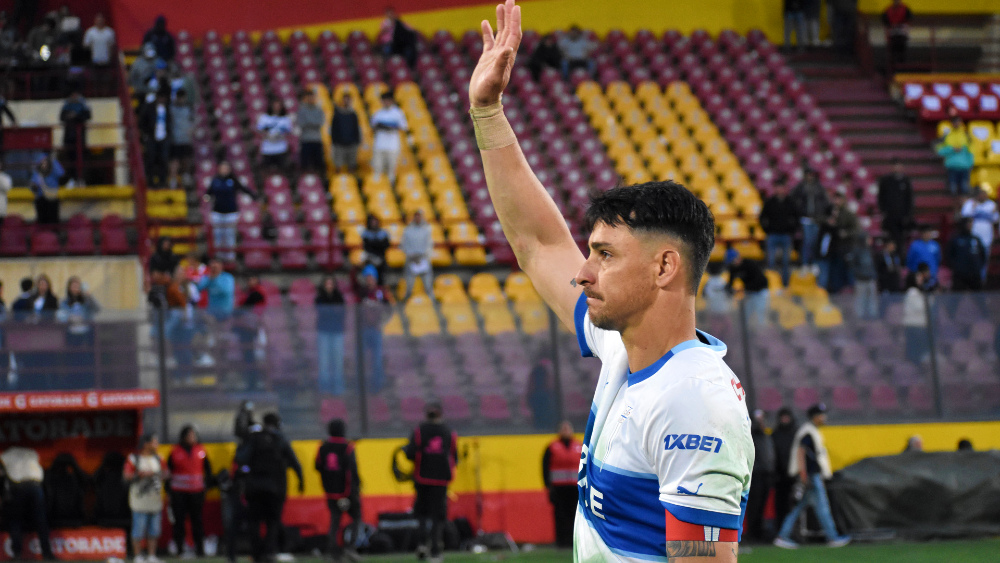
[(665, 325)]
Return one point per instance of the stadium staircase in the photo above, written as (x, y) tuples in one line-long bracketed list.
[(876, 128)]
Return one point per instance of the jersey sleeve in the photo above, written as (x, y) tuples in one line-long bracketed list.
[(701, 450), (589, 337)]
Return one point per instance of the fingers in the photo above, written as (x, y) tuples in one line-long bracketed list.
[(487, 36), (513, 39), (501, 21)]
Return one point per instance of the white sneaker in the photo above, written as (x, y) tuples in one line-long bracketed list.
[(785, 544), (839, 542), (188, 555), (140, 559), (284, 558)]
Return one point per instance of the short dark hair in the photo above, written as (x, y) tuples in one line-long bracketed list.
[(387, 95), (27, 284), (272, 419), (336, 428), (433, 410), (660, 207), (146, 438)]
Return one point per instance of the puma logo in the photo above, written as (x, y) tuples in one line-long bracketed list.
[(682, 491)]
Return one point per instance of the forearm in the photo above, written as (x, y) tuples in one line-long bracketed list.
[(702, 551)]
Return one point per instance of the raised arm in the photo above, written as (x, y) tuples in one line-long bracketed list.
[(536, 230)]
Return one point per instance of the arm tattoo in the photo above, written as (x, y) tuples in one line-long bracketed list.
[(690, 549)]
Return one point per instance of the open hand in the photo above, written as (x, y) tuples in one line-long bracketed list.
[(492, 73)]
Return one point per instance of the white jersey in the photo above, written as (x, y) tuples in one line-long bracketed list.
[(667, 450), (984, 219)]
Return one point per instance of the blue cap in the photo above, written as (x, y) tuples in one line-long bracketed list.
[(370, 270)]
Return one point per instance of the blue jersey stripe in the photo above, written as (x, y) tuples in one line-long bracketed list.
[(579, 314)]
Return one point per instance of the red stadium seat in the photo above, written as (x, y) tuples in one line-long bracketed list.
[(45, 243), (114, 241), (80, 241)]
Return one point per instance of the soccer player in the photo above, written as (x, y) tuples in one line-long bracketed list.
[(667, 453)]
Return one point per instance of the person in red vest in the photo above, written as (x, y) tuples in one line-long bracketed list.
[(338, 469), (560, 467), (896, 19), (189, 473)]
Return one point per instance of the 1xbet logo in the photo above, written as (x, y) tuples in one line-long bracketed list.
[(692, 442)]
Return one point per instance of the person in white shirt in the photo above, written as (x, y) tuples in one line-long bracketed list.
[(667, 453), (100, 39), (983, 212), (387, 122), (145, 473), (576, 49), (5, 185), (417, 244), (276, 125), (26, 500)]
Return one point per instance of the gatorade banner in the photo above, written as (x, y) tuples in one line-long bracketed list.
[(79, 400), (80, 544)]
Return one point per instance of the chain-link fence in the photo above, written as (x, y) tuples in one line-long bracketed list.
[(506, 367)]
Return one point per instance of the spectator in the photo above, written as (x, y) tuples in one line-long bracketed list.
[(576, 49), (74, 116), (345, 135), (164, 261), (914, 444), (795, 22), (560, 470), (896, 19), (968, 256), (895, 202), (958, 159), (100, 39), (761, 480), (418, 246), (143, 68), (24, 498), (337, 465), (810, 461), (862, 264), (42, 39), (811, 10), (267, 458), (387, 122), (545, 55), (221, 288), (890, 268), (716, 292), (78, 310), (374, 307), (397, 38), (838, 234), (810, 196), (310, 118), (983, 212), (22, 307), (276, 125), (247, 329), (541, 393), (783, 437), (757, 297), (181, 297), (181, 81), (70, 34), (225, 212), (925, 250), (145, 474), (5, 110), (181, 140), (155, 123), (780, 220), (190, 471), (375, 243), (43, 301), (5, 186), (330, 336), (161, 39), (843, 21), (915, 316), (45, 187)]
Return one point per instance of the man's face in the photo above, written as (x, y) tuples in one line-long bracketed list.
[(99, 21), (215, 268), (781, 191), (819, 419), (619, 277), (980, 196), (898, 168), (566, 430), (928, 235), (418, 218), (345, 101), (387, 103), (785, 420)]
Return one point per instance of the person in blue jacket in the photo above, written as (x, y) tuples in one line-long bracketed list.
[(222, 192), (925, 250)]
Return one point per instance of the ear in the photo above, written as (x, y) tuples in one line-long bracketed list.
[(668, 265)]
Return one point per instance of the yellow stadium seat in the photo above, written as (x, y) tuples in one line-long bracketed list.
[(791, 318), (722, 210), (718, 253), (470, 256), (453, 213), (395, 258), (993, 152), (519, 288), (534, 317), (943, 128), (483, 284), (987, 174), (749, 250), (394, 327), (419, 296), (828, 316), (802, 283), (773, 281), (441, 257), (463, 233), (733, 229), (496, 317), (588, 89), (424, 323)]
